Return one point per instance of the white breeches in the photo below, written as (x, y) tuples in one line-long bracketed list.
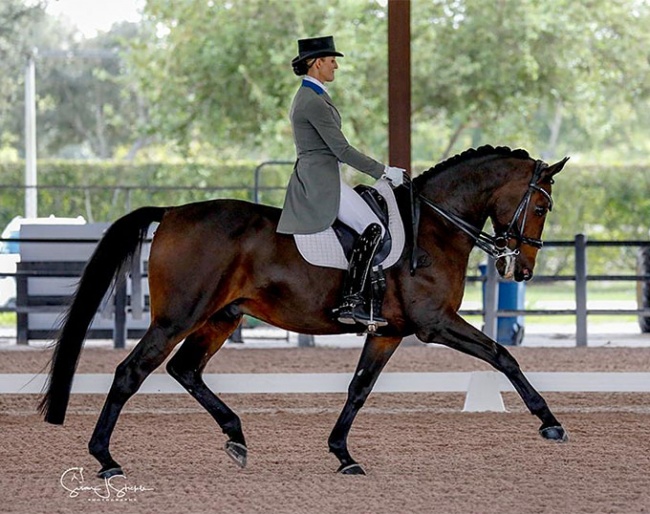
[(354, 212)]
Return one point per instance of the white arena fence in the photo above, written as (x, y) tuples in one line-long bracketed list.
[(482, 388)]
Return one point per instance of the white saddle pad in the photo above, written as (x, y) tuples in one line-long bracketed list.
[(324, 249)]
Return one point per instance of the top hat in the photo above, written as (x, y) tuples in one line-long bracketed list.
[(315, 47)]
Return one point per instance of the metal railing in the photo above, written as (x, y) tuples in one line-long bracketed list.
[(490, 311), (257, 187), (146, 193)]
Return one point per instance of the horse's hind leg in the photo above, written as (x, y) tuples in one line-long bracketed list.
[(148, 354), (187, 367), (374, 356)]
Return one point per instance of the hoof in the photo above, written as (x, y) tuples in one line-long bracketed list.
[(237, 452), (351, 469), (110, 472), (557, 434)]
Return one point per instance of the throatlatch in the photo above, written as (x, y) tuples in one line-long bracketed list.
[(356, 306)]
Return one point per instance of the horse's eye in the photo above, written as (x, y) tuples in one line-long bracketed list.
[(540, 211)]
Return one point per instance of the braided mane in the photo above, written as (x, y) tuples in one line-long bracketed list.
[(472, 153)]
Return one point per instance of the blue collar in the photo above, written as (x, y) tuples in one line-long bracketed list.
[(307, 83)]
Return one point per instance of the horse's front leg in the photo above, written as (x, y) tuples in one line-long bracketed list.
[(374, 356), (456, 333)]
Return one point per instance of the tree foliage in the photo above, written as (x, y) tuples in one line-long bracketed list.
[(548, 75), (220, 72), (16, 21), (86, 105), (554, 76), (512, 68)]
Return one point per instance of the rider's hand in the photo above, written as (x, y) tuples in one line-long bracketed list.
[(394, 175)]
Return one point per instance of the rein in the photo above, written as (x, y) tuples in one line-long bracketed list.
[(497, 246)]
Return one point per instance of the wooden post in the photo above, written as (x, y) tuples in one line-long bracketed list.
[(399, 83)]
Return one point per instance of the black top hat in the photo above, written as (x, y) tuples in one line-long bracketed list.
[(315, 47)]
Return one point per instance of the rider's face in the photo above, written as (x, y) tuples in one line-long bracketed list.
[(325, 66)]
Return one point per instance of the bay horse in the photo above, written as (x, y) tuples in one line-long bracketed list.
[(212, 262)]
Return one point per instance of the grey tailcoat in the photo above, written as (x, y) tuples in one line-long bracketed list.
[(313, 194)]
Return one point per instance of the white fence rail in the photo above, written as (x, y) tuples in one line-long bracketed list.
[(483, 388)]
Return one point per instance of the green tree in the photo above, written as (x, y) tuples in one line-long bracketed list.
[(514, 69), (553, 76), (16, 18), (220, 71), (88, 106)]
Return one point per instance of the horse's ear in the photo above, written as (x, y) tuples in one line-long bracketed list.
[(553, 169)]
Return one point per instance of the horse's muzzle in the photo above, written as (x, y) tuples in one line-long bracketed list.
[(525, 275), (509, 268)]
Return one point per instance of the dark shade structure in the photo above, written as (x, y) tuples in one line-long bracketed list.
[(399, 83)]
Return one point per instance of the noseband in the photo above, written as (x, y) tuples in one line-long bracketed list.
[(497, 245)]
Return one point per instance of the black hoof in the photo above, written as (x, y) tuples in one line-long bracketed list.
[(109, 472), (351, 469), (237, 452), (557, 434)]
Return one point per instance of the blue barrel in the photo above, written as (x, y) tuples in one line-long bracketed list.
[(512, 296)]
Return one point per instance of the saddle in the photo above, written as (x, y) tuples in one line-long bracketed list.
[(332, 247)]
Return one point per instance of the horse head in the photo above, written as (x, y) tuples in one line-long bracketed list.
[(520, 209), (508, 187)]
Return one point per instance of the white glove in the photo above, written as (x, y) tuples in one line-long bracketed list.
[(394, 175)]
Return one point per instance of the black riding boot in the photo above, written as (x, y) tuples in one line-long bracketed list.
[(353, 309)]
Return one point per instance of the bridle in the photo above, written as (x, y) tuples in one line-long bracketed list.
[(517, 225), (497, 245)]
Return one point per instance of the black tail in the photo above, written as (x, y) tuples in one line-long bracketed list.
[(107, 263)]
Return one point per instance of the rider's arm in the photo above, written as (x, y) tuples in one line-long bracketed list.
[(322, 119)]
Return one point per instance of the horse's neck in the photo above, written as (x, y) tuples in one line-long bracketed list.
[(465, 192)]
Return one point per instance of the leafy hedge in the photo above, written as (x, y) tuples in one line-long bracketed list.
[(102, 191), (608, 201), (604, 202)]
